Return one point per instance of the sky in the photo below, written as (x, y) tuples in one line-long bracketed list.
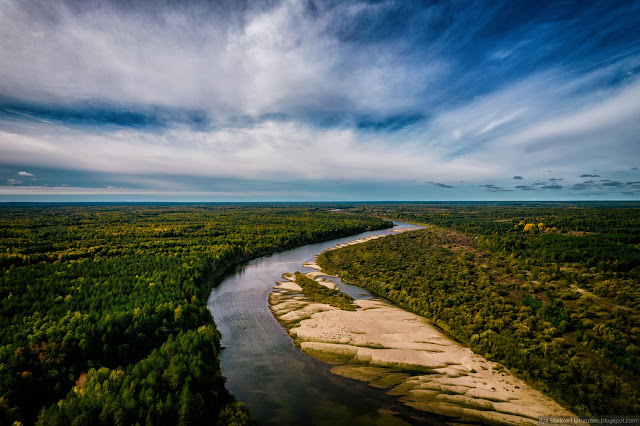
[(319, 100)]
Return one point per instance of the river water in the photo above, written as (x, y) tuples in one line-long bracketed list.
[(266, 371)]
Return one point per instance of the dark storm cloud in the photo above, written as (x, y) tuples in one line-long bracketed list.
[(608, 188), (580, 186), (526, 188), (494, 188), (442, 185)]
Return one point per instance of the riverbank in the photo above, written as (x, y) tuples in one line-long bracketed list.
[(403, 353)]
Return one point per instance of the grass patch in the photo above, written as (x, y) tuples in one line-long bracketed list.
[(321, 294), (390, 380), (332, 358)]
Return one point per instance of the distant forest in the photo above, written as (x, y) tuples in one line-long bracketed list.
[(552, 291), (103, 317)]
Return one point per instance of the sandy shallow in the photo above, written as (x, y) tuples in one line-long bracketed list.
[(405, 354)]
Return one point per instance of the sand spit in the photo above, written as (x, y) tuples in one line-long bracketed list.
[(404, 353)]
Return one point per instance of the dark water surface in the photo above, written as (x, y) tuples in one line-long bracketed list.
[(277, 382)]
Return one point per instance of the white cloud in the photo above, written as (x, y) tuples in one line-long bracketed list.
[(69, 192), (263, 64), (601, 135), (604, 116), (273, 150), (75, 190), (499, 121), (546, 120), (493, 137)]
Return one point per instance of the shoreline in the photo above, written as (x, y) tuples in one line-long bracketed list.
[(403, 353)]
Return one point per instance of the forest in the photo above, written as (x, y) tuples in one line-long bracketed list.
[(103, 317), (551, 291)]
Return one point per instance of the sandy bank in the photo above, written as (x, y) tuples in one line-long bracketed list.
[(404, 353)]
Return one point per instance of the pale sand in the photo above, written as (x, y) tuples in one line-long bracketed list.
[(404, 353)]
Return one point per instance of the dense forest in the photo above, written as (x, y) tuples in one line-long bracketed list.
[(103, 317), (552, 291)]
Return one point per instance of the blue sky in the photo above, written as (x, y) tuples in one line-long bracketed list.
[(294, 101)]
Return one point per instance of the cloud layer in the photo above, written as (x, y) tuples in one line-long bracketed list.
[(319, 100)]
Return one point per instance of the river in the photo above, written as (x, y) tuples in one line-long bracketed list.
[(266, 371)]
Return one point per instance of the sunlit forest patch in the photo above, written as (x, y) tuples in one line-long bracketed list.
[(549, 291), (103, 315)]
